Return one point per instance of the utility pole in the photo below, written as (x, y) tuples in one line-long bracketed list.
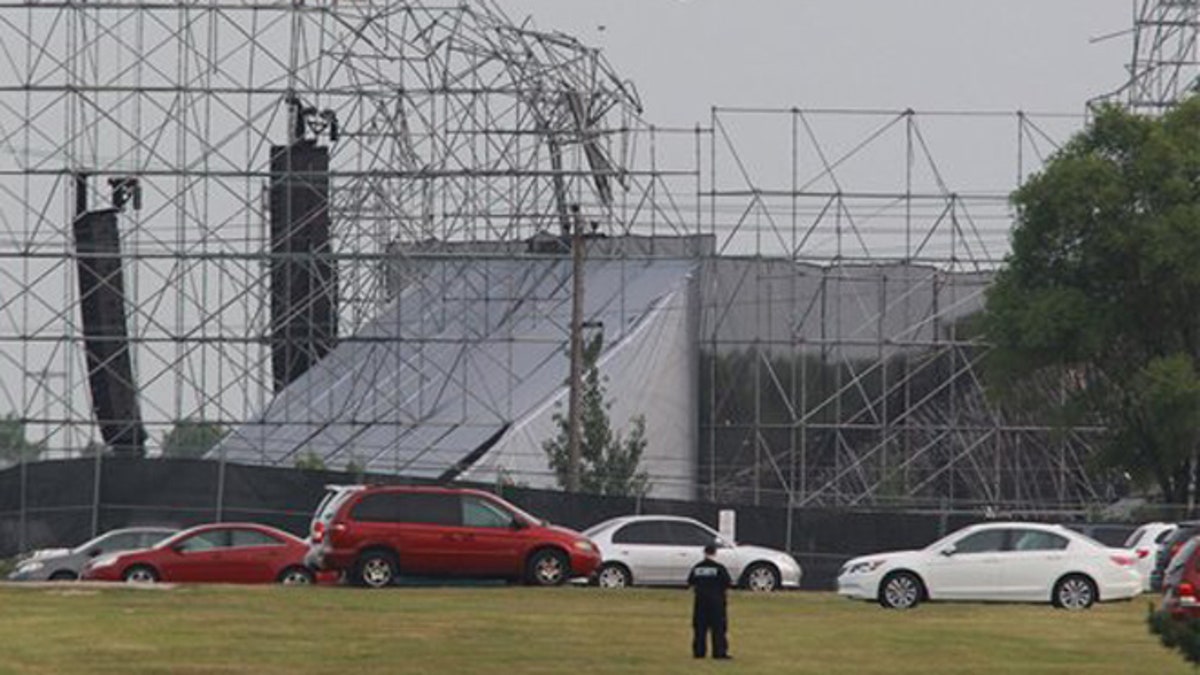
[(575, 407)]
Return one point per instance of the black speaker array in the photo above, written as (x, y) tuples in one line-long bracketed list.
[(303, 273), (105, 333)]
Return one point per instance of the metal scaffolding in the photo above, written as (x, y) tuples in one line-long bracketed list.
[(850, 253), (1165, 63), (844, 372)]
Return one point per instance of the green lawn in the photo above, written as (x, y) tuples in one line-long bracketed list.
[(508, 631)]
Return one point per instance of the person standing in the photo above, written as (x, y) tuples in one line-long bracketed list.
[(709, 580)]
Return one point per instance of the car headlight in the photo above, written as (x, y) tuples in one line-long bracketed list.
[(31, 566), (584, 545), (863, 567)]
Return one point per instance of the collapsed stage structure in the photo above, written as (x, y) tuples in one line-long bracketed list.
[(335, 229)]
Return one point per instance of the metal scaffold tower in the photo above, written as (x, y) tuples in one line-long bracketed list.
[(1165, 63), (205, 205), (845, 372)]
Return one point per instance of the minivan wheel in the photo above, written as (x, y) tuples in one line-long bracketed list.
[(375, 569), (547, 567), (64, 575), (1074, 592)]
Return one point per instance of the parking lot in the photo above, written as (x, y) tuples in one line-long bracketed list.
[(77, 629)]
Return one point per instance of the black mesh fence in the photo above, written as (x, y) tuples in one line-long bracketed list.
[(63, 503)]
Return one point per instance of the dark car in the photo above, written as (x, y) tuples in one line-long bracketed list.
[(372, 535), (1169, 548), (232, 553), (1182, 581)]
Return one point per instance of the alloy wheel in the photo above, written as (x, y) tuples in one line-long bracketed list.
[(1075, 594), (296, 577), (761, 579), (612, 576), (901, 592), (549, 570), (377, 572), (140, 575)]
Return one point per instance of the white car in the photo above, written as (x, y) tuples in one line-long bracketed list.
[(1018, 562), (1143, 545), (661, 551)]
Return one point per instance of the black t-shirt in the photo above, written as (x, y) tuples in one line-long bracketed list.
[(709, 579)]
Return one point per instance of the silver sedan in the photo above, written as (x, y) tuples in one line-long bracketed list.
[(661, 550), (64, 564)]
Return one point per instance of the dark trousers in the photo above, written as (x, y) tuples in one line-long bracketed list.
[(706, 620)]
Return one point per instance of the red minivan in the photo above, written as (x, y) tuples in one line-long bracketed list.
[(375, 534), (1181, 585)]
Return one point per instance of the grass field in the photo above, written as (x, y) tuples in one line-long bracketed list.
[(518, 630)]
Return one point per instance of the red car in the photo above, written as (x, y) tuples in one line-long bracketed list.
[(231, 553), (1181, 584), (374, 534)]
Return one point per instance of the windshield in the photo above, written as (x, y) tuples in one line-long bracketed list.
[(520, 513), (1134, 538), (330, 503), (598, 528)]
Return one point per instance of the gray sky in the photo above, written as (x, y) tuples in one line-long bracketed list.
[(686, 55)]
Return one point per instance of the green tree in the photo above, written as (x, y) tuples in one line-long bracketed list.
[(13, 445), (310, 461), (191, 439), (1096, 313), (609, 461)]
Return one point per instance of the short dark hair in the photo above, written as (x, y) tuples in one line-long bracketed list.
[(710, 549)]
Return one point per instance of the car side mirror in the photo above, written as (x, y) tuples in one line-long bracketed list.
[(517, 524), (948, 551), (94, 552)]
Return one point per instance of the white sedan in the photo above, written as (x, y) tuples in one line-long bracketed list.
[(661, 550), (1019, 562), (1144, 543)]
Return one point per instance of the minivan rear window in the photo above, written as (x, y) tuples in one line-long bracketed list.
[(409, 507)]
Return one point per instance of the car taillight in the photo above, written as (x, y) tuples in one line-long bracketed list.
[(1142, 553), (1122, 560), (1187, 590), (318, 532)]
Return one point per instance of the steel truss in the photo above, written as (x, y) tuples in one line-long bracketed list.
[(852, 377), (1165, 62), (848, 257)]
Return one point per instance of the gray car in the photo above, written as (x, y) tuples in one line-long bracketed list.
[(64, 564)]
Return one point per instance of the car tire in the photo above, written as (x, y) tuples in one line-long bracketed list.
[(901, 590), (614, 575), (547, 567), (1074, 593), (761, 577), (140, 574), (64, 575), (376, 569), (297, 576)]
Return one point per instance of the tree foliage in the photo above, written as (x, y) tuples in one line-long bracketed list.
[(13, 445), (310, 461), (609, 461), (1096, 314), (191, 439)]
